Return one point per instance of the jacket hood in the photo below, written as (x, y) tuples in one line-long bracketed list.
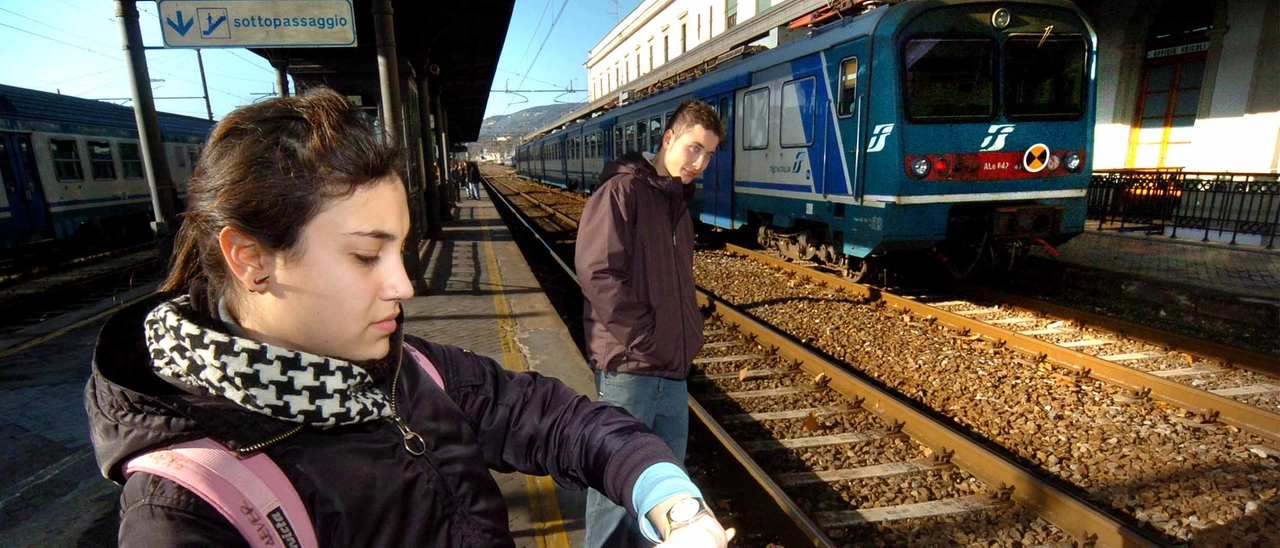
[(133, 410), (635, 165)]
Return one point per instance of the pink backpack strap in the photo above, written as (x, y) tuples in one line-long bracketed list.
[(425, 364), (252, 493)]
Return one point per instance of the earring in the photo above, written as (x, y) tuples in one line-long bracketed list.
[(259, 281), (397, 290)]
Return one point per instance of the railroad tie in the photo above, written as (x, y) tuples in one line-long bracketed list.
[(784, 415), (755, 394), (814, 441), (1251, 390), (876, 471), (1181, 372), (945, 507), (751, 374), (1086, 342), (1047, 331), (1007, 321), (978, 311), (723, 344), (1133, 356), (725, 359)]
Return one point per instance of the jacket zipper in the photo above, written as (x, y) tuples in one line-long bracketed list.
[(263, 445), (675, 260), (413, 443)]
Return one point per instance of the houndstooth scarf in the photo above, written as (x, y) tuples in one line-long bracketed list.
[(289, 385)]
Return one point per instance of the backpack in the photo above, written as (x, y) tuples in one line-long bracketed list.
[(251, 492)]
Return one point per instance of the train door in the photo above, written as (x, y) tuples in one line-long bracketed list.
[(847, 67), (22, 183), (717, 180)]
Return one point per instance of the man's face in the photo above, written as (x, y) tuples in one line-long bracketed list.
[(688, 153)]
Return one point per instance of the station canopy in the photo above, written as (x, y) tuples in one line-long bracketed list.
[(463, 39)]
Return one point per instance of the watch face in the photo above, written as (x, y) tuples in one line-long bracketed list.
[(684, 510)]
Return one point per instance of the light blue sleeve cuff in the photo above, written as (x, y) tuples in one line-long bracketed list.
[(657, 483)]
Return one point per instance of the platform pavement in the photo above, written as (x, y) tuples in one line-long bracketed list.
[(1244, 270), (481, 296)]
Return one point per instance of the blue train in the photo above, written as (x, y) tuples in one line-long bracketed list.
[(72, 167), (960, 127)]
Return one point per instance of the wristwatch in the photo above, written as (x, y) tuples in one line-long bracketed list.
[(683, 513)]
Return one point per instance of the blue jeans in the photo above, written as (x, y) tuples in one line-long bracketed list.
[(473, 189), (663, 406)]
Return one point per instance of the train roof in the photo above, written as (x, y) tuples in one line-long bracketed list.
[(69, 113)]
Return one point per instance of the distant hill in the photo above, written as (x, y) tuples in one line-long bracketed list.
[(526, 121)]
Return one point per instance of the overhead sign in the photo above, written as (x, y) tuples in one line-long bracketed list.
[(257, 23)]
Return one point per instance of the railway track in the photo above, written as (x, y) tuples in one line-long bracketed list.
[(1184, 462), (845, 458)]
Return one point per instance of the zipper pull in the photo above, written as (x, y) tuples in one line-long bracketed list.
[(413, 443)]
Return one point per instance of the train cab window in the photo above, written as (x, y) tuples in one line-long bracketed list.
[(796, 121), (1044, 77), (655, 134), (101, 161), (66, 159), (949, 79), (130, 160), (848, 85), (755, 119)]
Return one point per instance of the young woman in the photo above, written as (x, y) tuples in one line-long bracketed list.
[(279, 332)]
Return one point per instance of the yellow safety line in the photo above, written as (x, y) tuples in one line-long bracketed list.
[(64, 330), (544, 508)]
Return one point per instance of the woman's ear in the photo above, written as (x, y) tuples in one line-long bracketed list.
[(246, 259)]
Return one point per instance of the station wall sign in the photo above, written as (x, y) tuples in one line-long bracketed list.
[(257, 23)]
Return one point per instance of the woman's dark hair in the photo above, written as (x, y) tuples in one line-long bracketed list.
[(266, 170)]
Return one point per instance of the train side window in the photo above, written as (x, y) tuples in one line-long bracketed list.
[(617, 141), (655, 134), (193, 155), (629, 138), (101, 161), (131, 160), (179, 154), (66, 159), (848, 85), (755, 119), (642, 135), (796, 120), (667, 121)]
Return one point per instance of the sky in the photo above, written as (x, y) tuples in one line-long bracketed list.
[(73, 47)]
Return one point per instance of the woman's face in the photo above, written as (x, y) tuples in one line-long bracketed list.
[(339, 293)]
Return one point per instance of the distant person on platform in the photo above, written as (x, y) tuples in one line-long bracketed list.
[(473, 180), (641, 320)]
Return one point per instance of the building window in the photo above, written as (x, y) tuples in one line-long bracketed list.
[(730, 14), (698, 33), (101, 161), (796, 119), (684, 37), (650, 58), (848, 85), (66, 159), (755, 123), (762, 5), (131, 160), (666, 48)]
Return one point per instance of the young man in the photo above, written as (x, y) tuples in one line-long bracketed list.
[(641, 320)]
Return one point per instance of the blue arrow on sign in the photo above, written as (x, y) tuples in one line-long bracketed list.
[(181, 27)]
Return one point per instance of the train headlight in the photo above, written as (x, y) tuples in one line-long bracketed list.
[(1073, 161), (1000, 18), (920, 167)]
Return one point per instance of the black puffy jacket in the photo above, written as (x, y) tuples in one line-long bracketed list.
[(359, 484)]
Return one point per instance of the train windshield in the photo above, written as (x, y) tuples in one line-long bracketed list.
[(950, 79), (1044, 77)]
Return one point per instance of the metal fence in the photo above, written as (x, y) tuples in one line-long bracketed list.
[(1231, 207)]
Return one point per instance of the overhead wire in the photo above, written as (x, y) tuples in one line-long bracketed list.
[(550, 31)]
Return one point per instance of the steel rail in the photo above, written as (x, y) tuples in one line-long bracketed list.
[(1064, 510), (1209, 405), (1253, 361)]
